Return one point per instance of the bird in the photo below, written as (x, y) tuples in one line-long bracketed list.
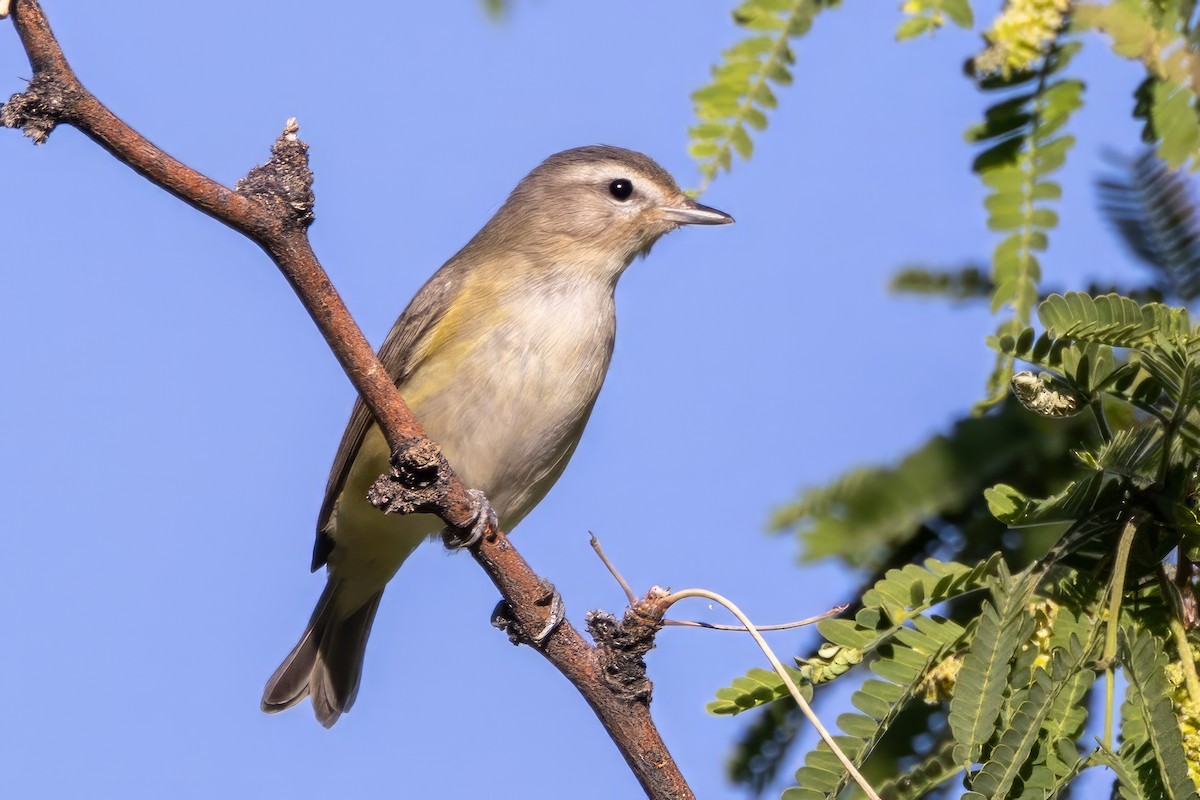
[(501, 356)]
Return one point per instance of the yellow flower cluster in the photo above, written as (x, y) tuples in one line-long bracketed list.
[(1187, 712), (1020, 35), (938, 685), (1044, 611)]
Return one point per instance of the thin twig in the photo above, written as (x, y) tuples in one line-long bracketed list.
[(612, 568), (683, 623), (783, 674)]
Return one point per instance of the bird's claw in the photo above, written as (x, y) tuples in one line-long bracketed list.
[(485, 517), (558, 612), (503, 618)]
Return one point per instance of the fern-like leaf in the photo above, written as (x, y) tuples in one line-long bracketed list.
[(1059, 759), (965, 283), (740, 94), (904, 592), (757, 687), (1131, 453), (1111, 319), (903, 667), (898, 598), (996, 778), (923, 777), (1145, 664), (1153, 211), (1078, 499), (983, 677), (1023, 148), (1026, 726), (1157, 35), (868, 512), (1134, 768)]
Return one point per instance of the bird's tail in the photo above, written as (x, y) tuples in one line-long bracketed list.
[(327, 662)]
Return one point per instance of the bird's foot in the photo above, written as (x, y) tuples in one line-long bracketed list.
[(504, 619), (485, 516)]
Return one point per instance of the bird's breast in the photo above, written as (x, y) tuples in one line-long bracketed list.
[(507, 395)]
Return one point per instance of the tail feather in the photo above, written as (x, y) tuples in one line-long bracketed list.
[(327, 661), (340, 660)]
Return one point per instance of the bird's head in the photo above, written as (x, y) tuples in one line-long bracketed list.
[(598, 204)]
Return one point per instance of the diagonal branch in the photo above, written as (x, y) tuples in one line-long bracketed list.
[(272, 207)]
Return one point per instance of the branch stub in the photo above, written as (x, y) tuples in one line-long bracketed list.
[(285, 181), (37, 110)]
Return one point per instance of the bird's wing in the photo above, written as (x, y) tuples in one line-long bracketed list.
[(400, 355)]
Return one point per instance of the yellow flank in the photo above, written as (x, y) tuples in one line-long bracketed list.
[(370, 546), (446, 341)]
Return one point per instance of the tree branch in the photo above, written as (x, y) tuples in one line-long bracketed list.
[(272, 207)]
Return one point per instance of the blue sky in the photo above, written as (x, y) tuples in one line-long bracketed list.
[(170, 411)]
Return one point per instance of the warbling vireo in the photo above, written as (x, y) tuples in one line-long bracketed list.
[(500, 355)]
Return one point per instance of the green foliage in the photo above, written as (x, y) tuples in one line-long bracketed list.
[(966, 283), (1087, 479), (1015, 509), (899, 598), (1113, 320), (1023, 147), (983, 678), (1161, 36), (926, 16), (1153, 211), (1057, 758), (1160, 373), (922, 778), (908, 662), (757, 687), (1014, 714), (740, 94), (1014, 710), (1173, 117), (1152, 724), (906, 650), (1136, 771), (903, 666), (1027, 754), (867, 513)]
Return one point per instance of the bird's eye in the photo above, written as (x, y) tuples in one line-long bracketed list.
[(621, 188)]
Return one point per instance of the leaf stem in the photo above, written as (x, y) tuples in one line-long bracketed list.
[(1186, 660), (783, 626), (1172, 425), (1101, 420), (784, 676), (595, 542), (1116, 591)]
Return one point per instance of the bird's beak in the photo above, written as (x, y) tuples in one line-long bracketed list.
[(688, 212)]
